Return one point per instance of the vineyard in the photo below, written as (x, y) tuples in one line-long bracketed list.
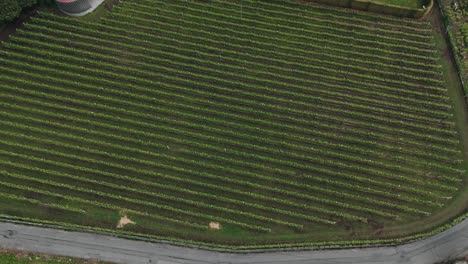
[(227, 122)]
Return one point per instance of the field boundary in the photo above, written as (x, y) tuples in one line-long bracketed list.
[(449, 35), (381, 8), (237, 249), (448, 244)]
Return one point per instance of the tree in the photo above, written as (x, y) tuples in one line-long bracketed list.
[(9, 10), (26, 3)]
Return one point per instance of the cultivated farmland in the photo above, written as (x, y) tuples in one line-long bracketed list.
[(282, 122)]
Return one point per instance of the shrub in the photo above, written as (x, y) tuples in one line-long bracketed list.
[(9, 9)]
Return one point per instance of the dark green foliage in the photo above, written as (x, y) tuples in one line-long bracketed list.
[(9, 9), (45, 2), (456, 21), (26, 3)]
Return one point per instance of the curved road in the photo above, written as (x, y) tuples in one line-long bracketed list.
[(449, 244)]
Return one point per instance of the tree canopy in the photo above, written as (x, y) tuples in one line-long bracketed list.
[(10, 9)]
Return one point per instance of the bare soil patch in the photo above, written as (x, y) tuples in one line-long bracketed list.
[(214, 225), (124, 220)]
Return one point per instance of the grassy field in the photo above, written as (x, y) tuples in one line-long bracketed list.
[(19, 257), (405, 3), (282, 122)]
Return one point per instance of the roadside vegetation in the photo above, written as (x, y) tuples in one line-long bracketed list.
[(21, 257), (228, 123), (456, 20)]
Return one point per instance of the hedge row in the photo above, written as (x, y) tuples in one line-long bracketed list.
[(367, 5), (11, 9), (449, 17)]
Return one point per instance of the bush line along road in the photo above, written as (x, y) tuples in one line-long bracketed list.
[(285, 123)]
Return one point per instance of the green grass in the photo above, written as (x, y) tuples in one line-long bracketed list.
[(286, 123), (404, 3), (19, 257)]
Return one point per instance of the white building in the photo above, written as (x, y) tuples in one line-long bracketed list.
[(78, 7)]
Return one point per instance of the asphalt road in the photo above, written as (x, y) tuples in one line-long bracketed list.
[(449, 244)]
